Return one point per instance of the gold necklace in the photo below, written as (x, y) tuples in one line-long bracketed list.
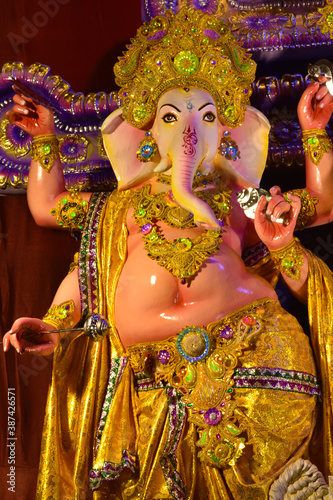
[(182, 257)]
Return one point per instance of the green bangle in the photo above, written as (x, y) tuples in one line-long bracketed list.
[(289, 259), (45, 149)]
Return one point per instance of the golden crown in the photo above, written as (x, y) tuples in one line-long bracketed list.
[(189, 49)]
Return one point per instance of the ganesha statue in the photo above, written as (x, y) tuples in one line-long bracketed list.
[(202, 386)]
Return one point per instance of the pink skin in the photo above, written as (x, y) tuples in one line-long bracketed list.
[(21, 338), (314, 112), (33, 118), (187, 135), (26, 334), (276, 235), (315, 107)]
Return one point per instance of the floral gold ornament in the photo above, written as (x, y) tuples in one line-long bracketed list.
[(147, 149), (256, 25), (325, 23), (315, 143), (61, 316), (13, 139), (228, 147), (45, 149), (182, 257), (73, 148), (189, 49), (308, 206), (70, 211), (289, 259)]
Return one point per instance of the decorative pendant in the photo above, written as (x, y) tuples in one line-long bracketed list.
[(147, 149), (228, 147)]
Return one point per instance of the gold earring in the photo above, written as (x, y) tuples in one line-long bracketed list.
[(147, 148), (228, 147)]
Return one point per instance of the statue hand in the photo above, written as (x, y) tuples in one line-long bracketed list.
[(315, 107), (276, 234), (26, 336), (32, 118)]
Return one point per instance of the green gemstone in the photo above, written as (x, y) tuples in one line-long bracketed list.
[(314, 141), (230, 111), (203, 437)]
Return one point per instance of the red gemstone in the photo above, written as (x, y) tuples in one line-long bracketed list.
[(248, 320)]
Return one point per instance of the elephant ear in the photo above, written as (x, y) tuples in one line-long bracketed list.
[(121, 142), (252, 141)]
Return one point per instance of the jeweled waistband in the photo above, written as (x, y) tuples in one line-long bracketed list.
[(215, 350)]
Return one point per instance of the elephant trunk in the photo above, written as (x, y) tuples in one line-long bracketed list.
[(184, 167)]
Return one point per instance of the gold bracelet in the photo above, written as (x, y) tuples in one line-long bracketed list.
[(61, 316), (45, 149), (70, 211), (308, 206), (315, 143), (289, 259)]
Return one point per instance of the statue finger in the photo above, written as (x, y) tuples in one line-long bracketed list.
[(44, 349), (283, 207), (260, 213)]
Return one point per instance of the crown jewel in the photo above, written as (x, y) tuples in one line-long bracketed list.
[(189, 49)]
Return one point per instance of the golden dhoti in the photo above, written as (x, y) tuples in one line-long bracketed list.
[(216, 412), (274, 390)]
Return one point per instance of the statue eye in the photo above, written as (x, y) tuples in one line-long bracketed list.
[(209, 117), (169, 118)]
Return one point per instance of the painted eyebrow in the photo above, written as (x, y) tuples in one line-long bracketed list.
[(172, 106), (204, 105)]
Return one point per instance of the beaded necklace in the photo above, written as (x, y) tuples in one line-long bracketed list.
[(182, 257)]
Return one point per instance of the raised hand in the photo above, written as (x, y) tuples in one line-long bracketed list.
[(34, 118), (26, 335), (276, 234), (315, 106)]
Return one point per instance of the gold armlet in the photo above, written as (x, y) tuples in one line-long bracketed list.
[(308, 206), (45, 149), (70, 211), (61, 316), (74, 264), (289, 259), (315, 143)]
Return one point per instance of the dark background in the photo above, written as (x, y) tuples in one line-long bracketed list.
[(80, 41)]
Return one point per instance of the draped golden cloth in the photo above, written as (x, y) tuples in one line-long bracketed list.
[(134, 436)]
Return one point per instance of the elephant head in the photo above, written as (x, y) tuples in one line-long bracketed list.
[(188, 133)]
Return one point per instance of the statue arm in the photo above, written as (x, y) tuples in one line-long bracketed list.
[(26, 334), (285, 250), (45, 189), (314, 111)]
